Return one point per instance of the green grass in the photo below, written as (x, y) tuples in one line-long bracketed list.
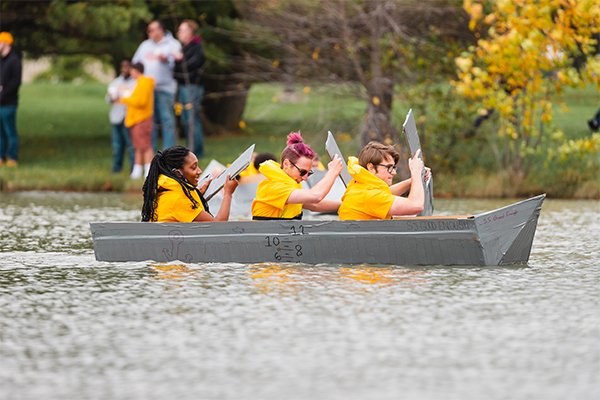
[(65, 135), (581, 105)]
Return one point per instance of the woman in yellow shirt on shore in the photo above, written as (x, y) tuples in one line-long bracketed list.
[(140, 108), (371, 195), (281, 196), (171, 193)]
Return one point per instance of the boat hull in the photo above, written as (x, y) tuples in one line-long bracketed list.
[(498, 237)]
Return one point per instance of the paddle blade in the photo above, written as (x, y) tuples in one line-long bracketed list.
[(237, 166), (412, 137), (410, 132), (332, 149)]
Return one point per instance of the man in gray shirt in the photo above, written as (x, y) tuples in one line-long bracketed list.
[(157, 54)]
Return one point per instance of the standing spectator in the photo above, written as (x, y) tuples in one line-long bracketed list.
[(594, 123), (139, 120), (157, 53), (188, 74), (10, 81), (122, 86)]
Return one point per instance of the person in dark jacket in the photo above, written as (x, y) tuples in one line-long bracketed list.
[(10, 81), (188, 74), (594, 123)]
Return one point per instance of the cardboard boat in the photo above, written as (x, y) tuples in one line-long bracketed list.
[(502, 236)]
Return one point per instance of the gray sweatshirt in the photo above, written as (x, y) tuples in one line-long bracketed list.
[(162, 72)]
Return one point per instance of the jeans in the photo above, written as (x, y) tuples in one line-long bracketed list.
[(164, 115), (190, 97), (9, 140), (121, 143)]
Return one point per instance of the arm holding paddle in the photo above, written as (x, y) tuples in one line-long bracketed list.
[(318, 192), (204, 185), (413, 204), (324, 206), (223, 214), (398, 189)]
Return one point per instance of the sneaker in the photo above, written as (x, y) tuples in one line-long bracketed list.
[(11, 163), (137, 172)]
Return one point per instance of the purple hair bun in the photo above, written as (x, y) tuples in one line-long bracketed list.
[(293, 138), (298, 147)]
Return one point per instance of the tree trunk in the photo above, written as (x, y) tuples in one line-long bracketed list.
[(223, 105), (378, 124)]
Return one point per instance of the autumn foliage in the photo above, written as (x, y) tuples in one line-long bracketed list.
[(527, 52)]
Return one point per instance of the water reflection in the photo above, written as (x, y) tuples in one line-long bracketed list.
[(274, 278), (72, 327), (288, 279), (384, 276), (173, 271)]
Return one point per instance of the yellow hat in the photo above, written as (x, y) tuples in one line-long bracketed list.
[(6, 37)]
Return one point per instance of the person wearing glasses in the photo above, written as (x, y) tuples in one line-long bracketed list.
[(281, 196), (371, 195)]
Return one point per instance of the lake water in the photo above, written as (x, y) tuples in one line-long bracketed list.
[(75, 328)]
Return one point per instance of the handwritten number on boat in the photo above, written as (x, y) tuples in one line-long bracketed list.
[(297, 231), (272, 241), (298, 250)]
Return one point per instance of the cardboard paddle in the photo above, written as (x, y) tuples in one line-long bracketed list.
[(237, 166), (333, 149), (412, 137)]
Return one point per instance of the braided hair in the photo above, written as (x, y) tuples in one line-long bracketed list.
[(165, 163)]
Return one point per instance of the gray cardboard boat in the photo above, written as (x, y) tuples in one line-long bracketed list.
[(502, 236)]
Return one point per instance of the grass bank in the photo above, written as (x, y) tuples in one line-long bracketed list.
[(65, 136)]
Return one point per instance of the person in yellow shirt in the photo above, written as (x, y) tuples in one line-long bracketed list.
[(171, 193), (371, 195), (140, 108), (251, 174), (281, 196)]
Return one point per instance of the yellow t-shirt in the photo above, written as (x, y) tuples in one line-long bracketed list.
[(249, 171), (173, 205), (273, 192), (367, 196), (140, 105)]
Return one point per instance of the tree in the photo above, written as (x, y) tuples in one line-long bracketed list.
[(60, 27), (114, 29), (529, 50), (373, 42), (228, 72)]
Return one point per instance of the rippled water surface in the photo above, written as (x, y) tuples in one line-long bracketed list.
[(75, 328)]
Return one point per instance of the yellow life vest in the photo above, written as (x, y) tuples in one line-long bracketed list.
[(273, 193), (173, 205), (367, 196)]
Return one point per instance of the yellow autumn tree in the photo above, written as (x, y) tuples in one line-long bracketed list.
[(527, 52)]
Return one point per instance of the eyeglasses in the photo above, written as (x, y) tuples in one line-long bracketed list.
[(302, 171), (389, 167)]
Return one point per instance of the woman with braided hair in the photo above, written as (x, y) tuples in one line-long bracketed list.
[(170, 192), (281, 196)]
